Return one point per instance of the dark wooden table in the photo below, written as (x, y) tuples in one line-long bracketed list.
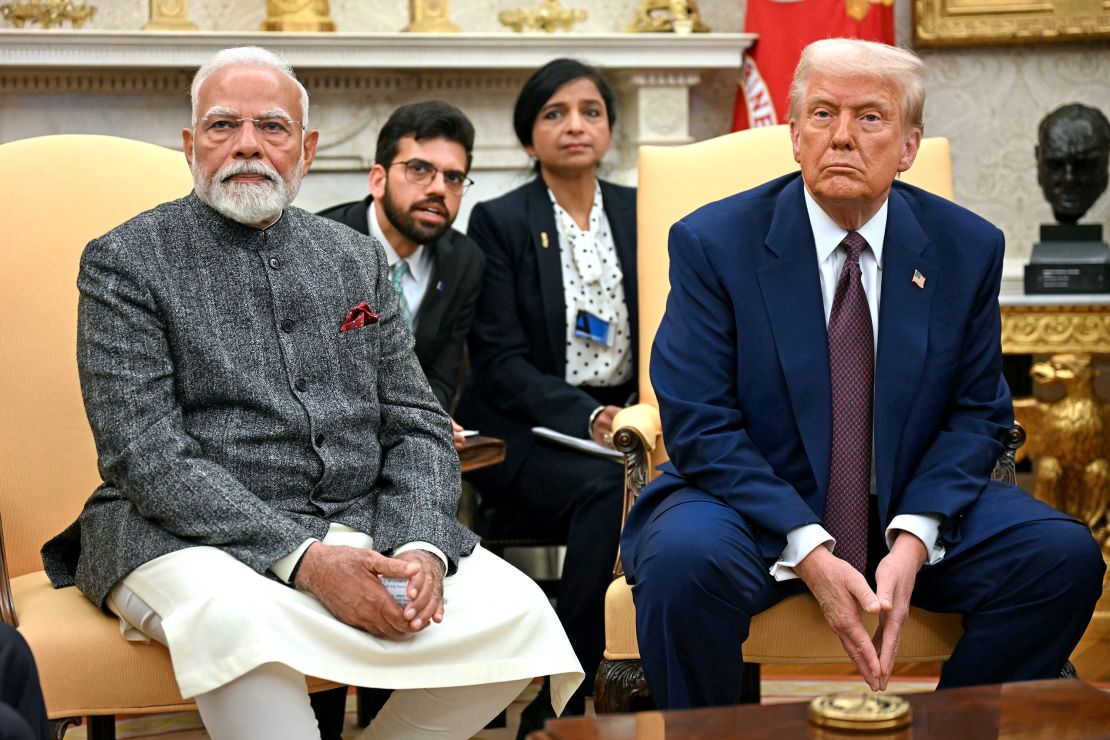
[(479, 452), (1055, 709)]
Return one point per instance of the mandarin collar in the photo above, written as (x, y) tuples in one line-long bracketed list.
[(243, 236)]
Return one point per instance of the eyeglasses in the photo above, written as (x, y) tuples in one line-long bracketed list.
[(419, 172), (274, 129)]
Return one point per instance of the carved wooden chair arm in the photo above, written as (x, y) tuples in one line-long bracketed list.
[(636, 432), (1011, 443), (7, 606)]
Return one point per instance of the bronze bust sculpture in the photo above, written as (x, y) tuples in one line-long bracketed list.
[(1073, 152)]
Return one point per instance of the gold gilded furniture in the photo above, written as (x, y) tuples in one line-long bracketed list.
[(673, 182), (1069, 434), (1069, 426), (57, 193)]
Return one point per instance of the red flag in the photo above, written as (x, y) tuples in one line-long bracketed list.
[(785, 27)]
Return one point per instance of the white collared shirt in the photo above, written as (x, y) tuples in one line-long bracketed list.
[(827, 236), (420, 266), (593, 282)]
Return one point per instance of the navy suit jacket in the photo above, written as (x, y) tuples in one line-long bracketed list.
[(741, 369), (518, 340), (448, 306)]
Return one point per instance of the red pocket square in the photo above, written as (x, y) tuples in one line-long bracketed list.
[(358, 317)]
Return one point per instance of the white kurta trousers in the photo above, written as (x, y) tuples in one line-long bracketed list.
[(222, 621)]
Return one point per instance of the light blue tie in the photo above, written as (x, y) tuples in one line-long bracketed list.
[(396, 275)]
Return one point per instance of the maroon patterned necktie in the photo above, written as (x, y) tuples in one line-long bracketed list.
[(852, 369)]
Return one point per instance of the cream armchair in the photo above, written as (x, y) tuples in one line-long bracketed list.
[(57, 193), (675, 181)]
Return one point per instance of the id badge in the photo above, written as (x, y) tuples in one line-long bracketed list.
[(593, 327)]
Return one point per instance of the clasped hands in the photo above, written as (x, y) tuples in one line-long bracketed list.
[(842, 592), (345, 580)]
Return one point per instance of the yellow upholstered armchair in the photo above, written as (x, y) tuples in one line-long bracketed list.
[(57, 193), (675, 181)]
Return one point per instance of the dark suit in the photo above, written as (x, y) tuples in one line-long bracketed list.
[(741, 369), (448, 306), (22, 712), (518, 355)]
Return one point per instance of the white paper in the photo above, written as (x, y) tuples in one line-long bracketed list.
[(575, 443)]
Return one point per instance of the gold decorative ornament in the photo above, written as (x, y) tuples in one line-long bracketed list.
[(169, 15), (1070, 439), (550, 16), (667, 16), (298, 16), (951, 23), (47, 13), (430, 16), (860, 711)]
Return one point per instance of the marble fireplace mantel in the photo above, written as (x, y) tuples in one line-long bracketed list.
[(134, 84)]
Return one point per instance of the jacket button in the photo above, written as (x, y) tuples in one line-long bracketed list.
[(275, 263), (287, 326), (302, 384), (319, 440)]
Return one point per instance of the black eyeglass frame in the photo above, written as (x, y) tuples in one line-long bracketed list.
[(427, 179)]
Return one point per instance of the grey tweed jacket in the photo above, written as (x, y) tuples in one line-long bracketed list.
[(228, 408)]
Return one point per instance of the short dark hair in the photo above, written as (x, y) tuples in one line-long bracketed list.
[(542, 85), (430, 119)]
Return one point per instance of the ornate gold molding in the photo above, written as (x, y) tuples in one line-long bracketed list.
[(939, 23), (1051, 329)]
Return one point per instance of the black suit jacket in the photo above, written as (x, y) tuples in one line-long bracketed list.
[(518, 340), (448, 307)]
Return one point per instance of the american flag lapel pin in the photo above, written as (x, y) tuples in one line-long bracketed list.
[(918, 279), (439, 286), (543, 239)]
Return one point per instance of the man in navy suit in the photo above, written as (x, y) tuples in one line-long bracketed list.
[(829, 378)]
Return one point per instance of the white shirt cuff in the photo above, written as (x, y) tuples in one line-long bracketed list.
[(800, 542), (283, 568), (418, 545), (926, 527)]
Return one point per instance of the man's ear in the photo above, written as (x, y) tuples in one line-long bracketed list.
[(187, 145), (909, 150), (311, 139), (795, 141), (377, 181)]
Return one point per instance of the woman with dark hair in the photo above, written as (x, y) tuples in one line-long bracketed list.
[(553, 342)]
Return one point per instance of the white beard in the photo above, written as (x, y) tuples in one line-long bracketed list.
[(251, 204)]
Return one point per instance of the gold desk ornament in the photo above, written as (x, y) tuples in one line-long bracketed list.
[(550, 16), (430, 16), (298, 16), (860, 711), (169, 15), (1070, 439), (667, 16), (47, 13)]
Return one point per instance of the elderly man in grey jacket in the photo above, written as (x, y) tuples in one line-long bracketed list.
[(280, 484)]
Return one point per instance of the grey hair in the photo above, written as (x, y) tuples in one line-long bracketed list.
[(254, 56), (856, 58)]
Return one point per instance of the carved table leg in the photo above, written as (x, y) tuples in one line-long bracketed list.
[(618, 683)]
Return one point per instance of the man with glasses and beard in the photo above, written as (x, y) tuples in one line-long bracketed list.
[(279, 483), (422, 160)]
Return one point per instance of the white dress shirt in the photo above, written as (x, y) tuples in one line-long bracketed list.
[(420, 264), (827, 237)]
